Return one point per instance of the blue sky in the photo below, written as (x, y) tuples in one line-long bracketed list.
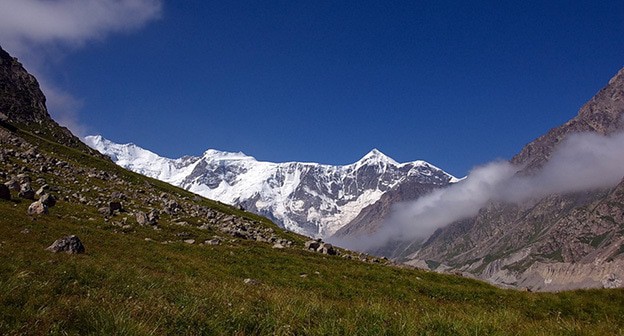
[(457, 85)]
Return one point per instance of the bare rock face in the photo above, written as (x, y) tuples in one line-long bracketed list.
[(70, 244), (21, 90), (23, 104)]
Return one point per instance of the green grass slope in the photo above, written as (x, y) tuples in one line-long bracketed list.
[(134, 280)]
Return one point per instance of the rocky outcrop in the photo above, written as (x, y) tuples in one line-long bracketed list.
[(23, 104)]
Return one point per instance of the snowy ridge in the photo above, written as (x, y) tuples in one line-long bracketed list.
[(308, 198)]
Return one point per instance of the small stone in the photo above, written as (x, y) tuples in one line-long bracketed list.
[(105, 211), (312, 245), (251, 282), (141, 218), (70, 244), (212, 242), (26, 191), (37, 208), (13, 185), (43, 190), (278, 246), (48, 200), (189, 241), (115, 206), (23, 178)]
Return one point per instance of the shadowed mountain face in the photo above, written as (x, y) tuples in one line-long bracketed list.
[(560, 241), (21, 100)]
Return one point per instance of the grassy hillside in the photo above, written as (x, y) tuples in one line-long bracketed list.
[(134, 279)]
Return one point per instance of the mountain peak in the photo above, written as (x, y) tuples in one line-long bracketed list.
[(376, 156), (215, 154)]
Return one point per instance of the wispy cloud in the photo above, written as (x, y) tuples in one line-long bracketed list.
[(583, 161), (36, 30)]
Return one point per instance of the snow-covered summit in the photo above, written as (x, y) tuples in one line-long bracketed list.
[(308, 198), (375, 156)]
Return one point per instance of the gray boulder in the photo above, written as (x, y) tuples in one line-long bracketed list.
[(70, 244), (43, 190), (105, 211), (312, 245), (214, 241), (26, 191), (37, 208), (48, 200), (115, 206), (13, 185)]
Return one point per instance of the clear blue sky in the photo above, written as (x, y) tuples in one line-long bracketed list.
[(457, 85)]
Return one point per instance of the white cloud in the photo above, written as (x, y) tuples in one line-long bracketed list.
[(35, 30), (27, 22)]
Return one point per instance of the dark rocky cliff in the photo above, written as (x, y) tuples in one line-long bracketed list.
[(23, 105)]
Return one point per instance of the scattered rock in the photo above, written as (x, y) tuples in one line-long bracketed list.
[(37, 208), (312, 245), (26, 191), (327, 249), (48, 200), (141, 218), (189, 241), (70, 244), (115, 206), (43, 190), (152, 218), (13, 185), (105, 211), (278, 246), (172, 207), (23, 178), (251, 282), (611, 281), (214, 241)]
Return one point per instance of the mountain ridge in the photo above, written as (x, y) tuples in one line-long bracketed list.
[(305, 197)]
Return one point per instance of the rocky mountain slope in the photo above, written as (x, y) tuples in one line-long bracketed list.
[(307, 198), (561, 241)]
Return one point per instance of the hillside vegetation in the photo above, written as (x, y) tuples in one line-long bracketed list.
[(159, 260), (134, 279)]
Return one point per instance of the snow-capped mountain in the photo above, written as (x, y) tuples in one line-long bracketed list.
[(308, 198)]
